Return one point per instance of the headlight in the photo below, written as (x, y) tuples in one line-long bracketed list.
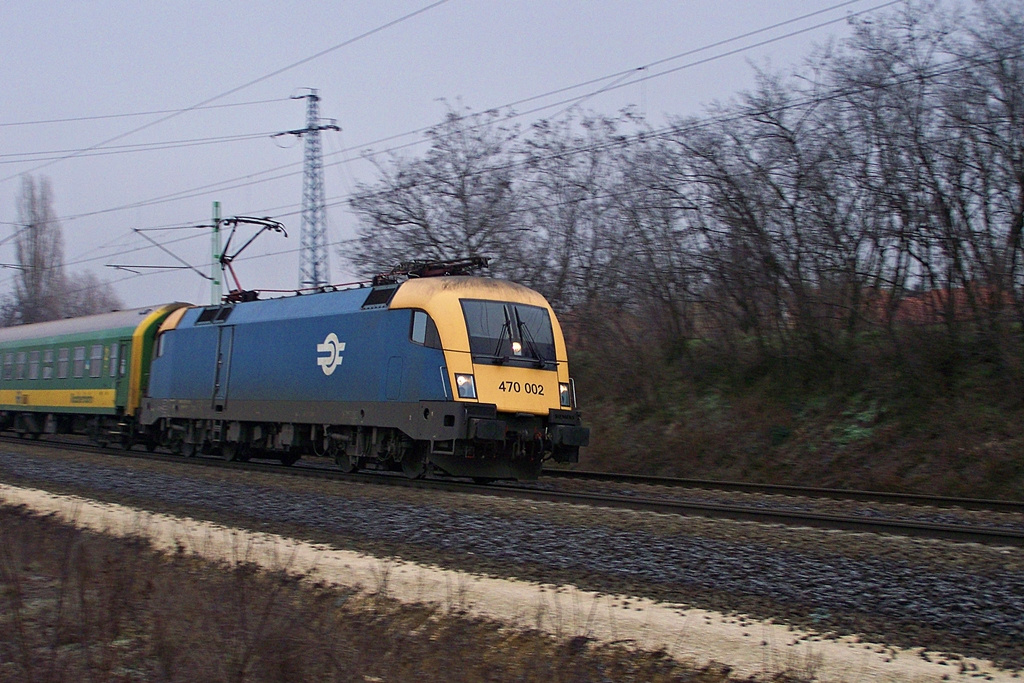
[(466, 386), (564, 395), (517, 348)]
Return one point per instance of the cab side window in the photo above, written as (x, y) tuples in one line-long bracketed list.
[(424, 331)]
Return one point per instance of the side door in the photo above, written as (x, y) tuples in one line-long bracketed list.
[(222, 373), (119, 364)]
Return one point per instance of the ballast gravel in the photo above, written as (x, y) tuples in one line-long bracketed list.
[(943, 597)]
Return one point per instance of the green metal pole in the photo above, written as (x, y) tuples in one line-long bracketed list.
[(217, 270)]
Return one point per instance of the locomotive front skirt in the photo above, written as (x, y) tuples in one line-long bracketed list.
[(464, 375)]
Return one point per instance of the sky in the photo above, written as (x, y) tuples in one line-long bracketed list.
[(144, 113)]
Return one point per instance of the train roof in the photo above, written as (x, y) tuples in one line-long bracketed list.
[(126, 320), (426, 293), (429, 291)]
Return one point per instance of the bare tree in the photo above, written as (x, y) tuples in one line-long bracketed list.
[(456, 201), (39, 246), (573, 237), (42, 289), (87, 294), (933, 107)]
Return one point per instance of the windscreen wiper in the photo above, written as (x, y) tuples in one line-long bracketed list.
[(498, 357), (525, 335)]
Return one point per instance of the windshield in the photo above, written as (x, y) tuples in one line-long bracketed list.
[(506, 332)]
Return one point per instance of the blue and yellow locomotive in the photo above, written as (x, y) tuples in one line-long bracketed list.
[(462, 374)]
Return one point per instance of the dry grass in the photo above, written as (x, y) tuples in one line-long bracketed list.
[(877, 423), (76, 606)]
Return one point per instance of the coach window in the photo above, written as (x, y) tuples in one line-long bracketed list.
[(113, 359), (48, 364), (33, 365), (19, 366), (79, 361), (424, 331), (9, 366), (62, 363), (96, 361)]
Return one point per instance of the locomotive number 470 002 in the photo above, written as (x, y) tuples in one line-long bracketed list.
[(519, 387)]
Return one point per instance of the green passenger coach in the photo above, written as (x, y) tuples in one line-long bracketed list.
[(84, 375)]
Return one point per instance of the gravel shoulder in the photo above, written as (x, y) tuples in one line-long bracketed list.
[(952, 598)]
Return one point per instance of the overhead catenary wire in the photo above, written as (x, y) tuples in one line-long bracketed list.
[(669, 129), (126, 149), (232, 91), (124, 115), (247, 179)]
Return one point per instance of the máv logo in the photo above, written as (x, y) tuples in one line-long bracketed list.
[(333, 348)]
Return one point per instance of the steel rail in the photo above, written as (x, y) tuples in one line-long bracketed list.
[(981, 504), (962, 533)]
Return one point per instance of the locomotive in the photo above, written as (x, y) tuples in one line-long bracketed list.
[(455, 374)]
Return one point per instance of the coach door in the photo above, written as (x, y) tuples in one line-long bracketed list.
[(222, 373), (119, 371)]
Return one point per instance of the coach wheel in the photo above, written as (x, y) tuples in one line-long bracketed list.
[(151, 443), (127, 441), (289, 459)]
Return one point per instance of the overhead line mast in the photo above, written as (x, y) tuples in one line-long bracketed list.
[(314, 268)]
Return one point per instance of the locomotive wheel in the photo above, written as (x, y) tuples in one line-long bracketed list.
[(230, 450), (345, 462), (188, 449), (414, 465)]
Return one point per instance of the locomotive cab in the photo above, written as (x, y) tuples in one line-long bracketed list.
[(506, 361)]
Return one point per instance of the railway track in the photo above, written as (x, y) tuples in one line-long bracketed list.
[(959, 532), (981, 504)]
